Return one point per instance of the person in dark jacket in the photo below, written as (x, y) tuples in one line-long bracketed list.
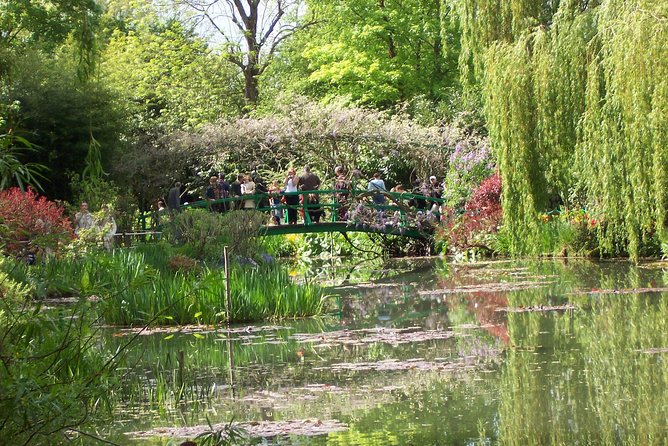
[(235, 191), (174, 198)]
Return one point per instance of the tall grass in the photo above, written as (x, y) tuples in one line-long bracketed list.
[(256, 294), (134, 292), (136, 287)]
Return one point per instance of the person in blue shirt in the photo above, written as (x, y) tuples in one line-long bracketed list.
[(377, 184)]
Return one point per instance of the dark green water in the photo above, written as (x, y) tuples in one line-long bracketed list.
[(465, 373)]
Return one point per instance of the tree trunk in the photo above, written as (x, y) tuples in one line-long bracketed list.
[(251, 92)]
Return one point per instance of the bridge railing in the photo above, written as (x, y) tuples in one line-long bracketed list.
[(338, 205)]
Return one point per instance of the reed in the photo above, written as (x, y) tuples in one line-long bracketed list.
[(137, 294)]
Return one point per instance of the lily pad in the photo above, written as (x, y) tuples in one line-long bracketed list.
[(536, 308), (393, 336), (255, 429), (488, 288)]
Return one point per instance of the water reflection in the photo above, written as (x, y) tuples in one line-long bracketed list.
[(582, 376)]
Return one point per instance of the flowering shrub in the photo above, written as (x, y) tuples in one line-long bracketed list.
[(469, 165), (481, 217), (30, 223), (580, 234)]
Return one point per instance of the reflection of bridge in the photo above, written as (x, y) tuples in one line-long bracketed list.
[(402, 214)]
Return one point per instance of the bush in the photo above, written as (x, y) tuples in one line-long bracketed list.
[(478, 225), (242, 229), (470, 165), (202, 233), (31, 224)]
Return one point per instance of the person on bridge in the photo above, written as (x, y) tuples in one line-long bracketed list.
[(292, 201), (235, 191), (377, 184), (310, 181), (174, 199), (420, 189), (248, 188), (224, 190), (435, 191), (275, 201), (212, 193), (342, 187)]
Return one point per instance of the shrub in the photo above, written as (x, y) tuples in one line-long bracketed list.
[(31, 223), (476, 227), (202, 233), (182, 264), (242, 229), (469, 165)]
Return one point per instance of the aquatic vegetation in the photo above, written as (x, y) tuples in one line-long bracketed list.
[(369, 336), (263, 429), (133, 293)]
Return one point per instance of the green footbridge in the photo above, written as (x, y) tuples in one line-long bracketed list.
[(320, 211)]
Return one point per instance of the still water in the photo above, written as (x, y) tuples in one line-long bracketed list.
[(424, 352)]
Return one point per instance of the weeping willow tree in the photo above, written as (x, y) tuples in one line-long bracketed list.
[(575, 95), (623, 151)]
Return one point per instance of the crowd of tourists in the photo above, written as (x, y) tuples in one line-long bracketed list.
[(286, 198)]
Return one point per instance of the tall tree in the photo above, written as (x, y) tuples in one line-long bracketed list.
[(577, 107), (24, 23), (251, 31), (377, 52)]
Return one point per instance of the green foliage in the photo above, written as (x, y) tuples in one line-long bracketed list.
[(12, 169), (202, 233), (54, 374), (64, 116), (10, 289), (622, 154), (511, 120), (168, 78), (205, 233), (94, 190), (134, 293), (576, 112), (46, 24), (281, 245), (373, 52), (242, 229)]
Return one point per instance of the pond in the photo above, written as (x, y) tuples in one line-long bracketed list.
[(422, 352)]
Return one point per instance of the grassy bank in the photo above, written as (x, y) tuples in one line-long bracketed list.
[(138, 287)]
